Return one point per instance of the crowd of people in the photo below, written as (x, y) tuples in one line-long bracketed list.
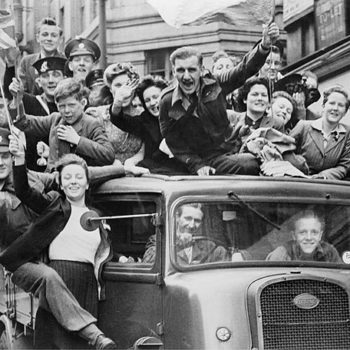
[(63, 115), (203, 122)]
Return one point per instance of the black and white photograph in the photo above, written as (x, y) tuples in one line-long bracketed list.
[(175, 174)]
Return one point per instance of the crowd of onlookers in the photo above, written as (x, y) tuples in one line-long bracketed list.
[(233, 119), (61, 113)]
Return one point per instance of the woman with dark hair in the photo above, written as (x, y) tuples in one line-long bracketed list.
[(76, 254), (254, 99), (128, 147), (146, 125)]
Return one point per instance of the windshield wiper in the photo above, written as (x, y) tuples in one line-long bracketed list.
[(243, 203)]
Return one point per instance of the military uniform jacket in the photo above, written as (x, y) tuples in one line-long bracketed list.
[(194, 137)]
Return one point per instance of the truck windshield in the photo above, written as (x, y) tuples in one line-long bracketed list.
[(237, 231)]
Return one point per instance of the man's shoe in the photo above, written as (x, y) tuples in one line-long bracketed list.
[(103, 342)]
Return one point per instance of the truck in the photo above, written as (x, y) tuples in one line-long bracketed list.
[(233, 295)]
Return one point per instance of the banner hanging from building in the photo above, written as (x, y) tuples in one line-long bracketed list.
[(179, 13)]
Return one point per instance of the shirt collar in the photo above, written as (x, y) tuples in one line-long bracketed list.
[(178, 94), (317, 124)]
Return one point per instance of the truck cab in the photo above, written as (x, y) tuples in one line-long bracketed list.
[(253, 263), (224, 289)]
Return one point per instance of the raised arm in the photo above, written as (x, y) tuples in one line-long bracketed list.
[(251, 62), (31, 197)]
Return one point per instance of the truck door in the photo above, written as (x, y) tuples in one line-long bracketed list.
[(133, 305)]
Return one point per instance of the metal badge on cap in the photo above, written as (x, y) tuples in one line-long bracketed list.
[(44, 67)]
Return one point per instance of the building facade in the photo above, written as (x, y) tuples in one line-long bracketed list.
[(318, 39), (135, 32)]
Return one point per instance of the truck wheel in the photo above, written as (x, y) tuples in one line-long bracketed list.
[(6, 339)]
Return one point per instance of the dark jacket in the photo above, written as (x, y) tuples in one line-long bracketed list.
[(33, 106), (93, 145), (16, 216), (238, 120), (191, 138), (28, 74), (331, 162), (291, 251), (146, 127), (54, 211)]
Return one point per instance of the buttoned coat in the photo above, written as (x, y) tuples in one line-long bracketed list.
[(332, 161)]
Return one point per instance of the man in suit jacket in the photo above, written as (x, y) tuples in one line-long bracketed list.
[(49, 37)]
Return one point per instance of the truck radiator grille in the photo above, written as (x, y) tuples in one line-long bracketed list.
[(288, 327)]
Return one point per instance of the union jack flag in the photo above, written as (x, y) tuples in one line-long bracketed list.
[(7, 30)]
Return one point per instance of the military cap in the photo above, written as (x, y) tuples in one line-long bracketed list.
[(95, 77), (49, 63), (81, 46), (4, 140)]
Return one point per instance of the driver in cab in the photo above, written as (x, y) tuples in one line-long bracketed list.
[(191, 246)]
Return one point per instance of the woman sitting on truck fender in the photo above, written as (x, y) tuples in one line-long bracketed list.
[(72, 250)]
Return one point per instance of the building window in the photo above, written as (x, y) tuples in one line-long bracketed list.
[(158, 63)]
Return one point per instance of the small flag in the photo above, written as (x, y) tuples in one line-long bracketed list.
[(7, 30), (179, 13)]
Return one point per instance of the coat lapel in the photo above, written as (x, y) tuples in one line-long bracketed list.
[(333, 142), (318, 139)]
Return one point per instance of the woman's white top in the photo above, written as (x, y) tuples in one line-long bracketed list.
[(74, 243)]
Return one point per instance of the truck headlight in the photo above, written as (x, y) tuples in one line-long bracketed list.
[(223, 334)]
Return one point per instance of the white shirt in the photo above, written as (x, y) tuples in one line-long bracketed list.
[(74, 243)]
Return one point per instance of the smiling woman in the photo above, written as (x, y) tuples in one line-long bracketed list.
[(74, 253), (325, 142)]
